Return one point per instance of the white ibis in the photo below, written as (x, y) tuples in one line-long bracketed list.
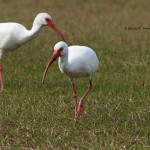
[(75, 61), (13, 35)]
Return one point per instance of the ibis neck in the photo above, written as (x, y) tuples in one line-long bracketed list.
[(63, 63), (34, 31)]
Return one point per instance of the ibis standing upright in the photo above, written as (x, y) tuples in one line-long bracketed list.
[(75, 61), (13, 35)]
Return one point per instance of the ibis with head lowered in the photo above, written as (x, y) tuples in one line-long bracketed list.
[(75, 61)]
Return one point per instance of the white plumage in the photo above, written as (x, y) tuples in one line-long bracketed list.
[(75, 61), (82, 61)]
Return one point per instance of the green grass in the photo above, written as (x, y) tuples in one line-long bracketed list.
[(117, 116)]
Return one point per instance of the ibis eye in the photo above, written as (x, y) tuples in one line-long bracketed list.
[(61, 49), (47, 20)]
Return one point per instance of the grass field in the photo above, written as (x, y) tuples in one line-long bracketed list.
[(39, 116)]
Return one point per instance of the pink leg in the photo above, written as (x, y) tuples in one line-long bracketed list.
[(75, 98), (81, 102), (1, 78)]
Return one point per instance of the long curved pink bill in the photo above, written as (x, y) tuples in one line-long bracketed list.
[(53, 26), (46, 69), (55, 55)]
